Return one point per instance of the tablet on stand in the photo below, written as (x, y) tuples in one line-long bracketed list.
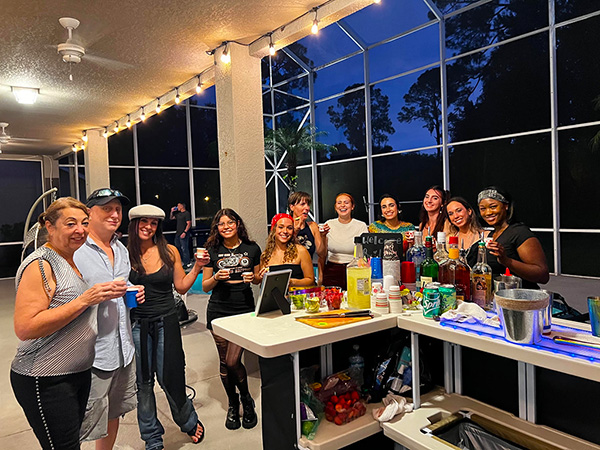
[(272, 292)]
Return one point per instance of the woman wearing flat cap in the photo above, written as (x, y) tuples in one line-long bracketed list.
[(514, 245), (156, 265)]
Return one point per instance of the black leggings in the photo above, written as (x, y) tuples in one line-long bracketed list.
[(54, 406), (232, 371)]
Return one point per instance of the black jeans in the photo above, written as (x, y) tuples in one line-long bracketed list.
[(54, 406)]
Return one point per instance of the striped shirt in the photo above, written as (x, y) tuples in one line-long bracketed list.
[(70, 349)]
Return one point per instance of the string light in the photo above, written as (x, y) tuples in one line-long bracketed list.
[(83, 146), (128, 123), (84, 136), (177, 98), (271, 46), (74, 147), (376, 1), (116, 129), (143, 115), (225, 56), (199, 86), (105, 134), (315, 26), (157, 106)]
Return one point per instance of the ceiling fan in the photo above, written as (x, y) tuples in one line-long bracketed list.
[(72, 51), (6, 138)]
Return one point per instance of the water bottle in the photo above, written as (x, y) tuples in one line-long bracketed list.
[(357, 365)]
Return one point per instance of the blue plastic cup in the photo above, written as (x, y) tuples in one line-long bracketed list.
[(376, 268), (594, 308), (130, 299)]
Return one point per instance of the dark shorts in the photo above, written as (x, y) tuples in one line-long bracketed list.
[(212, 315)]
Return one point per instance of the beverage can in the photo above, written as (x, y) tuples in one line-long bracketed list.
[(447, 298), (431, 300)]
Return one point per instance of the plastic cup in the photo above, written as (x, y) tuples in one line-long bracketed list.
[(487, 240), (200, 252), (409, 235), (130, 299), (594, 308), (321, 228)]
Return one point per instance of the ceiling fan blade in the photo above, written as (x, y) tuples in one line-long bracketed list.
[(26, 139), (110, 64)]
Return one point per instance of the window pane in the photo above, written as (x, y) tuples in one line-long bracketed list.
[(350, 177), (579, 157), (343, 119), (407, 176), (500, 91), (21, 186), (207, 194), (494, 22), (10, 259), (207, 97), (283, 102), (568, 9), (124, 181), (266, 99), (328, 45), (284, 66), (578, 65), (287, 124), (66, 160), (162, 139), (339, 77), (447, 7), (82, 190), (80, 158), (64, 182), (574, 247), (297, 86), (409, 52), (120, 148), (521, 166), (547, 241), (415, 119), (387, 19), (205, 150), (271, 208), (165, 188)]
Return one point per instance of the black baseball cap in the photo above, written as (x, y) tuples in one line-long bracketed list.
[(104, 195)]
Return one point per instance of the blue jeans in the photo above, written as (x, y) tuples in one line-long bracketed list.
[(183, 245), (151, 429)]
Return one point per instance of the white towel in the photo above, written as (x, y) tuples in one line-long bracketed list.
[(471, 313)]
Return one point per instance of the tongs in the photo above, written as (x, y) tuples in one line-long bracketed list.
[(358, 313)]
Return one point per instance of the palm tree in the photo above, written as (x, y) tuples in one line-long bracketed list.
[(291, 140)]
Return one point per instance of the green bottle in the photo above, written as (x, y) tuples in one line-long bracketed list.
[(429, 266)]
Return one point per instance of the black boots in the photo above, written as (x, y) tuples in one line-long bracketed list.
[(250, 419), (233, 414)]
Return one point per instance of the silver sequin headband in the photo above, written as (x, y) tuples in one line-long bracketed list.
[(493, 194)]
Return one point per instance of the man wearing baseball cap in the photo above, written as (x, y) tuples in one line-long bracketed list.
[(103, 257)]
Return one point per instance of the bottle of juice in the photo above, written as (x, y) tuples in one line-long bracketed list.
[(358, 274)]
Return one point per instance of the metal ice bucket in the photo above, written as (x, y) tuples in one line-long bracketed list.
[(521, 313)]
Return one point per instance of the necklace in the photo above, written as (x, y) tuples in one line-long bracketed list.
[(148, 254)]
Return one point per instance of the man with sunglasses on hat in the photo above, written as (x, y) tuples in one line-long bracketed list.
[(103, 258)]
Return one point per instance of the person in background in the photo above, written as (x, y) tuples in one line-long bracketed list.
[(339, 240), (55, 321), (102, 259), (307, 232), (282, 252), (513, 245), (182, 236), (390, 220), (156, 334), (234, 264), (464, 224), (432, 216)]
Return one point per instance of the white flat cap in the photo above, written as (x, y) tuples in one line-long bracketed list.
[(150, 211)]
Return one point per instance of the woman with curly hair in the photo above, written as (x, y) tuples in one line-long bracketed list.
[(283, 252), (234, 265)]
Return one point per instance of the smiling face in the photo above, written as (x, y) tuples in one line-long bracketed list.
[(284, 230), (432, 201), (106, 217), (458, 214), (494, 212), (300, 209), (344, 206), (69, 231), (147, 228), (389, 208), (227, 227)]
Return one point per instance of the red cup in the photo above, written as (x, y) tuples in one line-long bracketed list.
[(407, 272)]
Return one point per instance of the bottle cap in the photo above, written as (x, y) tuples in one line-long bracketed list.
[(453, 240)]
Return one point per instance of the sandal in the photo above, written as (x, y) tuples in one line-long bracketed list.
[(192, 433)]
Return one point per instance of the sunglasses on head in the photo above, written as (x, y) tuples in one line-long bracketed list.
[(106, 193)]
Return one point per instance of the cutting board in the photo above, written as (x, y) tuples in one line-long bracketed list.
[(331, 322)]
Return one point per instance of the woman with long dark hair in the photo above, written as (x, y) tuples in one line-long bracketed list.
[(234, 264), (432, 217), (157, 266), (464, 225), (513, 245)]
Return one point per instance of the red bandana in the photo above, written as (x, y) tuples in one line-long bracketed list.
[(279, 216)]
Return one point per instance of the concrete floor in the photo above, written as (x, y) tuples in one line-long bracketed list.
[(201, 373)]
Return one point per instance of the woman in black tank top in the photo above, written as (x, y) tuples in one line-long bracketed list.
[(158, 347)]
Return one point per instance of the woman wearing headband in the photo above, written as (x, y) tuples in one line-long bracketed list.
[(282, 252), (513, 245)]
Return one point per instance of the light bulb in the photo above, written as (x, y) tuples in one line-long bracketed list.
[(84, 136), (105, 134), (74, 148), (143, 115), (128, 123), (271, 49), (83, 146), (376, 1), (157, 107), (225, 58), (116, 128), (198, 87), (177, 99), (315, 27)]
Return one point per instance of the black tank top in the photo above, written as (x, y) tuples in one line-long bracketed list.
[(159, 293), (306, 238), (296, 270)]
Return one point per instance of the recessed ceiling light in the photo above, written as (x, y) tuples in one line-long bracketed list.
[(26, 96)]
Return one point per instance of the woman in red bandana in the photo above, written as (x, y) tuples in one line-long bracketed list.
[(283, 252)]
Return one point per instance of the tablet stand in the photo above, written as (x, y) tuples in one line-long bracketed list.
[(283, 304)]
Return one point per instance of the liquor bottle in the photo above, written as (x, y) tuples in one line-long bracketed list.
[(416, 254), (481, 280), (453, 271), (441, 254), (429, 267)]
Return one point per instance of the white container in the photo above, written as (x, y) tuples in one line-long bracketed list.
[(395, 300), (381, 303)]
